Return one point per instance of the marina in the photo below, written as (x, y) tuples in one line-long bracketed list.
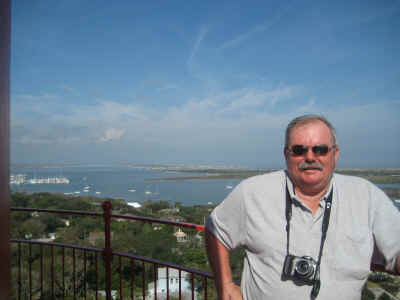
[(21, 179)]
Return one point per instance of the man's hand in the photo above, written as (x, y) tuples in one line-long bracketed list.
[(231, 291)]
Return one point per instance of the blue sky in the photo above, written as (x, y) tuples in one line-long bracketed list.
[(211, 82)]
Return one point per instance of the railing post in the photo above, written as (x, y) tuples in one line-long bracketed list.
[(107, 252), (5, 251)]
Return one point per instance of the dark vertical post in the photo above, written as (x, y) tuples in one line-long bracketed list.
[(84, 273), (63, 272), (53, 279), (107, 252), (5, 266)]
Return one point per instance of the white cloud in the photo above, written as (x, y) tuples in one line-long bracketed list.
[(243, 123), (112, 134)]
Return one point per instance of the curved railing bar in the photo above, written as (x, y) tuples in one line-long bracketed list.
[(374, 266)]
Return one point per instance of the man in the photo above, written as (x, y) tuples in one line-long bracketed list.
[(278, 218)]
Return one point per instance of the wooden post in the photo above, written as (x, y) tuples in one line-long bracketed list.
[(5, 266), (107, 252)]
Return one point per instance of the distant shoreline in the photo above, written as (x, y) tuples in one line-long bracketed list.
[(377, 176)]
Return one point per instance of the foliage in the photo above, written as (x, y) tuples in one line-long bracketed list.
[(384, 296), (367, 294), (390, 287)]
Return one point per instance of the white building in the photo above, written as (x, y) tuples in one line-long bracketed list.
[(181, 237), (173, 285)]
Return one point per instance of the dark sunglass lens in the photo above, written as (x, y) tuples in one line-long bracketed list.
[(299, 149), (320, 149)]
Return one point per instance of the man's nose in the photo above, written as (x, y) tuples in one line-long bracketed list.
[(309, 155)]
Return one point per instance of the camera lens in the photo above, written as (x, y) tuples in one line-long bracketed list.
[(303, 268)]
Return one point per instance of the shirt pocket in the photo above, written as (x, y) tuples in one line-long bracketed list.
[(352, 255)]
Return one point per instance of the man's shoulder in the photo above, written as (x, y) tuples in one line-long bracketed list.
[(262, 182), (355, 185), (350, 180), (265, 178)]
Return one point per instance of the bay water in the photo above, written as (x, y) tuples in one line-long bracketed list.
[(132, 184)]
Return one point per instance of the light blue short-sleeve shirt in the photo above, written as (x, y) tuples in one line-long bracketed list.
[(253, 217)]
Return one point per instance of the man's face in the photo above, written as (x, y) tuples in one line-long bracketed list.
[(303, 175)]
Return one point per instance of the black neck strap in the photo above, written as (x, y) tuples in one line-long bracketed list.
[(325, 222)]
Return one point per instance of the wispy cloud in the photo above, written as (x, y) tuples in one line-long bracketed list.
[(169, 86), (256, 30), (200, 37)]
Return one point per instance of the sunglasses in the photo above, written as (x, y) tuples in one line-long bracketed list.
[(320, 150)]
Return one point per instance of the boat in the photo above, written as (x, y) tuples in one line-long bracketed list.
[(397, 200), (229, 187), (134, 204), (97, 193), (132, 190)]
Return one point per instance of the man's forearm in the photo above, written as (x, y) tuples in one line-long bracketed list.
[(218, 256)]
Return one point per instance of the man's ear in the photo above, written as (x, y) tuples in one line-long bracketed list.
[(336, 155), (285, 153)]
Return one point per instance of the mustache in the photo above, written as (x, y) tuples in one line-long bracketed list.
[(314, 165)]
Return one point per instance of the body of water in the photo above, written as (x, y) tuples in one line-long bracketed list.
[(133, 184)]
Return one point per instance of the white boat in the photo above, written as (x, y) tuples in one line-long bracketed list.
[(229, 187), (77, 192), (132, 190), (97, 193), (147, 192), (397, 200)]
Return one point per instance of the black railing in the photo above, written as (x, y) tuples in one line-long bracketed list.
[(84, 270)]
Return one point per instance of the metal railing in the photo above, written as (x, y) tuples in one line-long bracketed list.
[(77, 274)]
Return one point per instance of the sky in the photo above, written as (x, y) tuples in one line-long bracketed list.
[(202, 82)]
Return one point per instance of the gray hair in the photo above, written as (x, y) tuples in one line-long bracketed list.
[(306, 119)]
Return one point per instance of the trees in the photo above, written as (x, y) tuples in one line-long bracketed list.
[(143, 239), (367, 294)]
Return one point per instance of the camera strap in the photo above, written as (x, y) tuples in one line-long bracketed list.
[(325, 224)]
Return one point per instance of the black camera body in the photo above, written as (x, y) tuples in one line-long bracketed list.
[(301, 269)]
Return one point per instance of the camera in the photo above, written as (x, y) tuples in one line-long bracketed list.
[(301, 269)]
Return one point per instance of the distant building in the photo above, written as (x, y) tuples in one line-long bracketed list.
[(51, 237), (169, 210), (103, 295), (173, 285), (66, 222), (181, 237)]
